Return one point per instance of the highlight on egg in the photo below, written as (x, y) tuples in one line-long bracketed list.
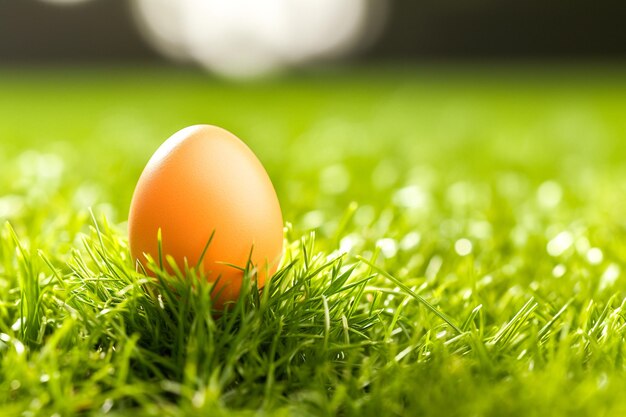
[(200, 182)]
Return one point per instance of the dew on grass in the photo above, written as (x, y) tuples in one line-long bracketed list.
[(17, 325), (19, 347), (107, 405), (603, 380)]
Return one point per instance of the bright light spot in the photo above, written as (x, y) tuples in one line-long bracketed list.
[(347, 243), (595, 256), (10, 205), (17, 325), (107, 405), (559, 270), (410, 197), (485, 281), (434, 265), (40, 167), (463, 247), (19, 347), (244, 38), (562, 242), (410, 241), (609, 276), (388, 246), (549, 194)]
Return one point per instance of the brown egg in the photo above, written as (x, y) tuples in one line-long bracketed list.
[(204, 180)]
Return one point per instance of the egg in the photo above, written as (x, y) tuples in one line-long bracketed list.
[(200, 182)]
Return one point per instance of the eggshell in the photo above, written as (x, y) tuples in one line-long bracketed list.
[(203, 179)]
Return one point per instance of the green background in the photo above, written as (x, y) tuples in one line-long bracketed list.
[(401, 167)]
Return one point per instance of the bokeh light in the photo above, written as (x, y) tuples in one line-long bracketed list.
[(246, 38)]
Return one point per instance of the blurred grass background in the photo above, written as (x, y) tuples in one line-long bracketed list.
[(374, 128), (80, 138), (479, 186)]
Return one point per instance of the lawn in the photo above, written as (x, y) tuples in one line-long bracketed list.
[(455, 245)]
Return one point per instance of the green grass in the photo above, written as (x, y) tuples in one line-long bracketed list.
[(455, 245)]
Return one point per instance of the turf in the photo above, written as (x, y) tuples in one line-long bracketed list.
[(455, 245)]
